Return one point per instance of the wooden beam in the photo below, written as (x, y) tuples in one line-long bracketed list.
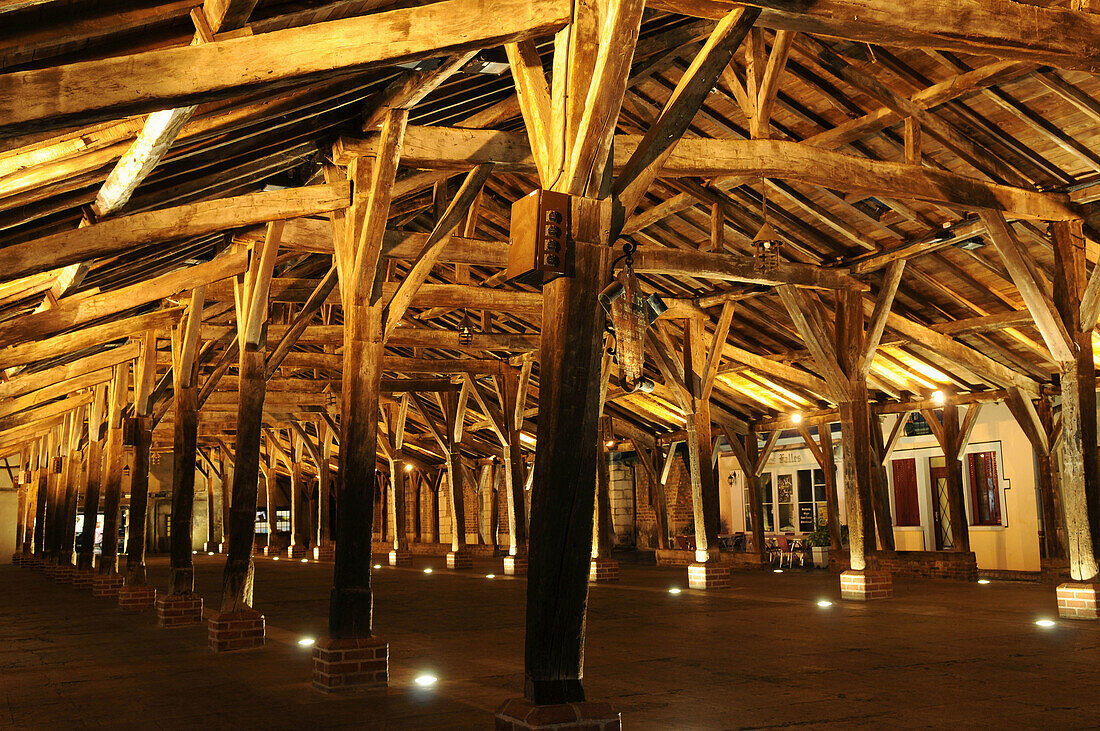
[(144, 82), (1048, 35), (737, 268), (86, 338), (694, 86), (301, 321), (877, 325), (122, 234)]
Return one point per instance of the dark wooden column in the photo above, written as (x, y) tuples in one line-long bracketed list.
[(563, 492), (97, 431), (139, 429), (604, 527), (54, 487), (42, 494), (32, 470), (1046, 465), (71, 481), (324, 489), (512, 390), (185, 339), (226, 465), (114, 461), (828, 466), (880, 487), (704, 491)]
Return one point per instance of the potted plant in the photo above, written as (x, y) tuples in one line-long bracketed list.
[(819, 545)]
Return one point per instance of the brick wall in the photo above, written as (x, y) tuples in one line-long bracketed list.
[(920, 564)]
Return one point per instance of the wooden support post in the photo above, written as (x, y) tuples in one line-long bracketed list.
[(324, 490), (71, 492), (828, 466), (94, 475), (704, 491), (112, 469), (43, 495), (1046, 465), (512, 401), (947, 434), (140, 431), (1080, 479), (185, 339), (52, 479), (880, 497)]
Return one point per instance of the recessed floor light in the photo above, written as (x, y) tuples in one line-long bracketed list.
[(674, 590), (378, 566), (983, 581), (305, 560), (777, 571), (209, 553), (306, 642), (490, 576), (1045, 623), (426, 680), (275, 559), (824, 603), (427, 571)]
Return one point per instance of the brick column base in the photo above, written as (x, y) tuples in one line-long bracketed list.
[(520, 714), (460, 560), (603, 569), (400, 558), (106, 586), (49, 568), (324, 553), (213, 547), (515, 566), (17, 558), (30, 561), (178, 610), (232, 631), (865, 585), (709, 575), (136, 598), (1077, 600), (83, 580), (268, 551), (351, 664), (297, 552), (63, 574)]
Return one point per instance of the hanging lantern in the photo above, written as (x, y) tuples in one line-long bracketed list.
[(766, 243), (631, 314), (765, 246), (465, 332)]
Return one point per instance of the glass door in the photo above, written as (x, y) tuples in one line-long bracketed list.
[(941, 513)]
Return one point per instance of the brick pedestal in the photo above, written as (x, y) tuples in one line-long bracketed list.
[(136, 598), (63, 574), (864, 586), (297, 552), (710, 575), (233, 631), (1077, 600), (353, 664), (515, 566), (49, 567), (520, 714), (106, 586), (603, 569), (400, 558), (460, 560), (30, 561), (83, 580), (269, 551), (213, 547), (324, 553), (17, 558), (178, 610)]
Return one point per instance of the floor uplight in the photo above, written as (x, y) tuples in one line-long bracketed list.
[(427, 571), (378, 566), (490, 576), (426, 681), (1045, 623), (306, 642), (276, 558), (824, 603), (674, 590), (305, 560), (983, 581), (777, 571), (209, 553)]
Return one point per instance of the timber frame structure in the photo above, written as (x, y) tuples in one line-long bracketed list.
[(272, 239)]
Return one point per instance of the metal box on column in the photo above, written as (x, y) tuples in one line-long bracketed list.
[(541, 246)]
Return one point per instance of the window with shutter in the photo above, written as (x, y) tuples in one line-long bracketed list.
[(985, 495), (906, 507)]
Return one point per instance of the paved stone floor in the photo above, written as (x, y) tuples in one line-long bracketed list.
[(761, 654)]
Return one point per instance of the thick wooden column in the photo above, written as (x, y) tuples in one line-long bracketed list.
[(828, 466), (97, 431), (73, 479), (880, 487), (139, 429), (704, 491), (324, 489), (513, 399), (226, 466), (31, 470), (185, 338), (114, 461), (1080, 478), (603, 527), (53, 487), (956, 500), (42, 490)]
